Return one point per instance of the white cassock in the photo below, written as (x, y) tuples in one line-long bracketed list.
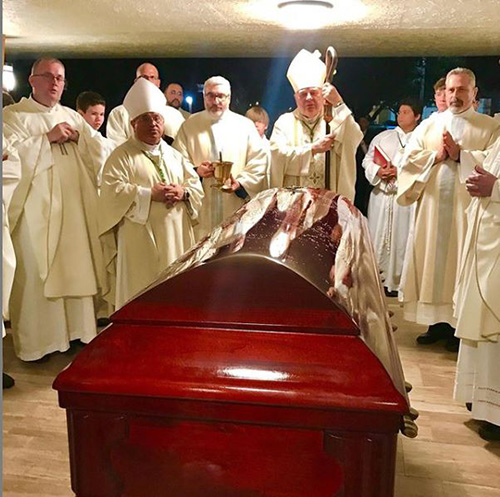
[(436, 238), (266, 145), (292, 161), (477, 304), (389, 222), (53, 219), (11, 174), (142, 237), (119, 129), (204, 138)]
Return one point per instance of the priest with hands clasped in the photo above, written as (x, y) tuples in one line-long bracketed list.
[(150, 199), (299, 140)]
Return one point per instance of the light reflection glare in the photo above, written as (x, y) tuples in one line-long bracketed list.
[(279, 244), (255, 374)]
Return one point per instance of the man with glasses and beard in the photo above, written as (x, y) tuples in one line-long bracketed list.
[(299, 140), (216, 133), (53, 218)]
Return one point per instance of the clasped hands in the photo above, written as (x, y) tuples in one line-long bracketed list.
[(449, 148), (62, 133), (167, 194), (480, 183), (387, 173)]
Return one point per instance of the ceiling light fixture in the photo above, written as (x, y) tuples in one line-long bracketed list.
[(305, 14)]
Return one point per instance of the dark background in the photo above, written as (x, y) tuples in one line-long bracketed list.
[(363, 82)]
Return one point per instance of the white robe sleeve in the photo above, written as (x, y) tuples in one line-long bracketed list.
[(139, 209), (348, 136), (253, 175), (118, 126), (416, 167), (371, 169)]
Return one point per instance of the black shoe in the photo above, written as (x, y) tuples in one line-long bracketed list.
[(468, 406), (7, 381), (101, 322), (452, 344), (394, 293), (435, 332), (490, 432)]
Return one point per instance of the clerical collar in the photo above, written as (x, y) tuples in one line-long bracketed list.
[(40, 106), (466, 114), (152, 149), (215, 118), (309, 124)]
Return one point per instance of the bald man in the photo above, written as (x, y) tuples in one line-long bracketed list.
[(53, 218), (119, 128)]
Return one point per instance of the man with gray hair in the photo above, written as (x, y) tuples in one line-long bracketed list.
[(442, 153), (216, 133), (119, 129)]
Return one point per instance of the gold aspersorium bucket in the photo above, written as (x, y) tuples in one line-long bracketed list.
[(222, 172)]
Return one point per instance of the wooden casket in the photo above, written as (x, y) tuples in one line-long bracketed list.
[(260, 364)]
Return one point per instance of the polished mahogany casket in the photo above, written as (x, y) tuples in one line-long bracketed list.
[(260, 364)]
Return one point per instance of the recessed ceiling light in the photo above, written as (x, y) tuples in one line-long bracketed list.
[(313, 3), (305, 14)]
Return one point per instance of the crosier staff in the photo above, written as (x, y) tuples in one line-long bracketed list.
[(331, 61)]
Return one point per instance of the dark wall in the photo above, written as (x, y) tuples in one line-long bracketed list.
[(363, 82)]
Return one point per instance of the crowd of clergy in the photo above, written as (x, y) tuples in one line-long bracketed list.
[(90, 221)]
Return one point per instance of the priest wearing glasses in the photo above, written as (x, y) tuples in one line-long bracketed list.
[(299, 141), (217, 133)]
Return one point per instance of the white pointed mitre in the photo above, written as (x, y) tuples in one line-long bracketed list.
[(306, 70), (144, 97)]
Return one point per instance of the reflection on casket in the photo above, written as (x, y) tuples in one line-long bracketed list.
[(261, 363)]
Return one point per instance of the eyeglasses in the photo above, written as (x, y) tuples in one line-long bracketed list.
[(222, 97), (49, 77), (314, 92)]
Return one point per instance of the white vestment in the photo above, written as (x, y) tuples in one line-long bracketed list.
[(11, 174), (234, 137), (477, 304), (53, 217), (292, 160), (143, 237), (437, 235), (119, 129), (388, 221)]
